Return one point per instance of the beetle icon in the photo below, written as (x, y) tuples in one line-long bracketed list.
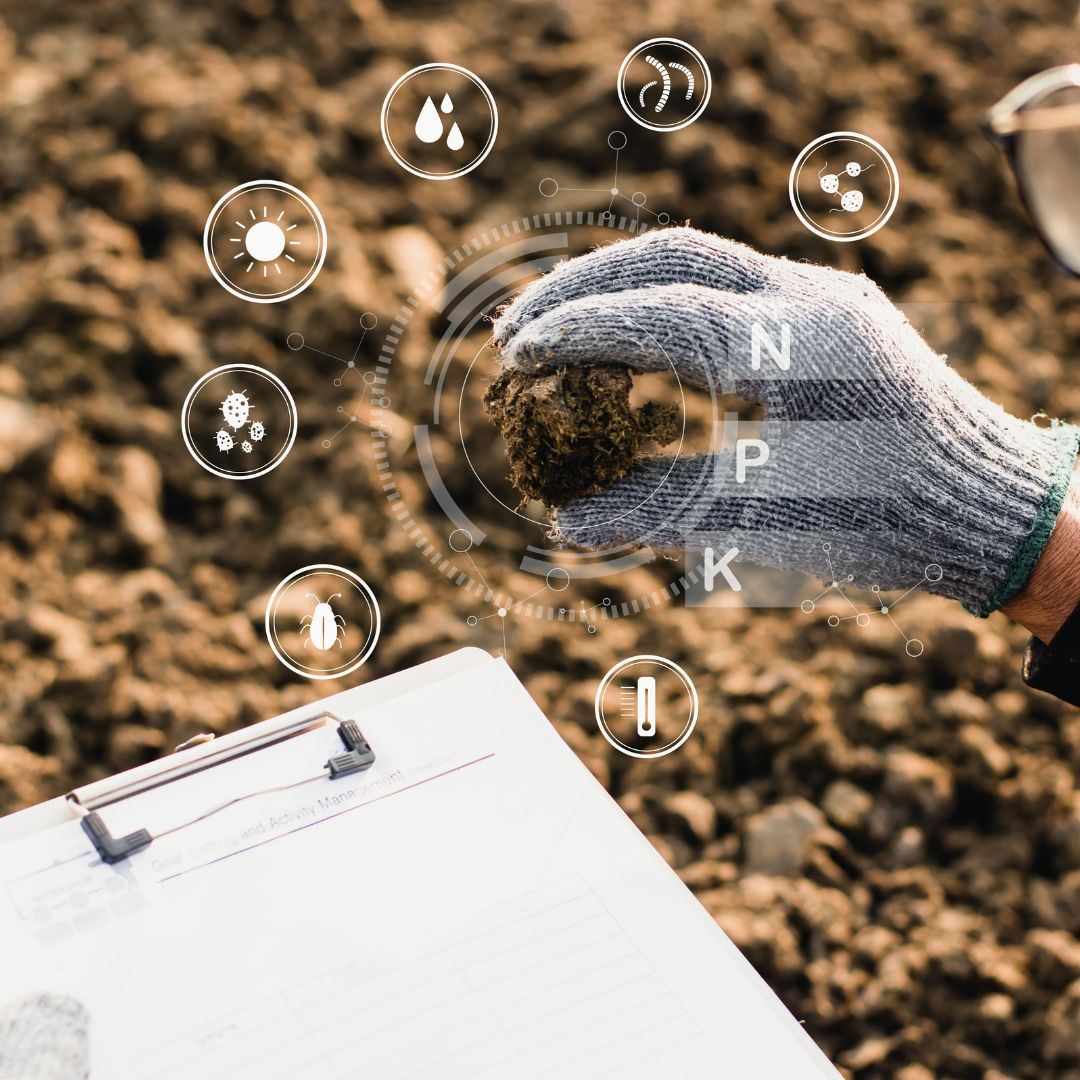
[(322, 624)]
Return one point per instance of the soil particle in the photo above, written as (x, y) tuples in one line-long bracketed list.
[(572, 433)]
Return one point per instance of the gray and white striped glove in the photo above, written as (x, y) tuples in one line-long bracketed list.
[(44, 1037), (871, 441)]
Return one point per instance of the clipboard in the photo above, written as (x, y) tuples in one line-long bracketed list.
[(202, 751), (469, 903)]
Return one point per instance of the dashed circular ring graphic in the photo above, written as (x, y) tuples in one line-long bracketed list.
[(265, 241), (444, 472)]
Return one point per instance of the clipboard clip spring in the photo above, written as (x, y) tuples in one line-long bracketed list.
[(356, 757)]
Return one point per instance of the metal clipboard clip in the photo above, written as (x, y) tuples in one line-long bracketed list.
[(198, 755)]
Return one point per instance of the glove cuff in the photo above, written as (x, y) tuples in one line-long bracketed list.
[(1067, 440)]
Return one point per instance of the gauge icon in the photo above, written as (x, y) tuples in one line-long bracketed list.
[(265, 241)]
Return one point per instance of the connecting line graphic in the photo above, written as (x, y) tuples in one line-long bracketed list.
[(556, 580), (838, 587), (586, 612), (617, 140), (368, 321)]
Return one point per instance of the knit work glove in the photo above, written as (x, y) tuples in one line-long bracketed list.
[(874, 445), (44, 1037)]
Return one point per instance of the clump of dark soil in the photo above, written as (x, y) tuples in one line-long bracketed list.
[(573, 432)]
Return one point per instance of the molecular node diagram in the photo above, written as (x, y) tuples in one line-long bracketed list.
[(549, 187), (839, 587), (556, 580), (366, 398)]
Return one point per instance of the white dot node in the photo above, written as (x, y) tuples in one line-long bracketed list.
[(460, 540)]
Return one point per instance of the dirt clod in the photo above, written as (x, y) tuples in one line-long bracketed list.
[(573, 432)]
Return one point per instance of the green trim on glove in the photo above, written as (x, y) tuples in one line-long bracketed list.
[(1030, 551)]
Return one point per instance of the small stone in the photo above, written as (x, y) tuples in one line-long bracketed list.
[(872, 1051), (776, 840), (914, 1072), (22, 431), (138, 497), (988, 757), (954, 649), (134, 744), (1054, 957), (962, 707), (909, 847), (921, 783), (694, 812), (25, 778), (1062, 1045), (996, 1007), (847, 805), (887, 709)]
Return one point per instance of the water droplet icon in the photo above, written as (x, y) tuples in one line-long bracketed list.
[(429, 125), (454, 140), (447, 105)]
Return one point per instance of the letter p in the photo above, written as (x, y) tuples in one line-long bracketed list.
[(742, 459)]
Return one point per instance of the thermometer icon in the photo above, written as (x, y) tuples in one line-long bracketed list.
[(627, 706), (638, 701), (646, 705)]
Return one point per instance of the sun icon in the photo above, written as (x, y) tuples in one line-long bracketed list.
[(265, 241)]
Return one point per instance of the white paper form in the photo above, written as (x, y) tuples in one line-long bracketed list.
[(475, 905)]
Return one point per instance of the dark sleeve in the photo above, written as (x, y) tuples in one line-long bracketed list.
[(1055, 668)]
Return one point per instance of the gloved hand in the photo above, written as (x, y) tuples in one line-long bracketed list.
[(44, 1037), (874, 444)]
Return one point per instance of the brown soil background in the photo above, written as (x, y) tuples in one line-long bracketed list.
[(895, 843)]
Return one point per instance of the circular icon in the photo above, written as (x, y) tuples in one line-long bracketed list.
[(265, 241), (844, 186), (439, 121), (239, 421), (646, 706), (322, 621), (664, 84)]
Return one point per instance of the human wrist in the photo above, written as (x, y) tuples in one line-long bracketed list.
[(1052, 592)]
